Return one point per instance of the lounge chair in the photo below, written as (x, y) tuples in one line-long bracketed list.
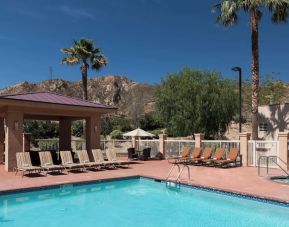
[(112, 157), (84, 159), (99, 159), (24, 164), (231, 159), (218, 155), (185, 154), (46, 162), (67, 161), (196, 152), (205, 155)]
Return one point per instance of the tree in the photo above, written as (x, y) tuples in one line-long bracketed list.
[(82, 52), (41, 129), (193, 101), (228, 16), (106, 126), (150, 122), (77, 128)]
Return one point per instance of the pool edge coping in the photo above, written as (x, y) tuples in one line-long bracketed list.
[(234, 193)]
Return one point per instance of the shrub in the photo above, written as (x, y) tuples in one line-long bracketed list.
[(156, 132), (116, 134)]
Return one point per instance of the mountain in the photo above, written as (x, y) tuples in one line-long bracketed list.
[(129, 96), (133, 99)]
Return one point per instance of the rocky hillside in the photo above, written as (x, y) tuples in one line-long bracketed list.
[(134, 99), (129, 96)]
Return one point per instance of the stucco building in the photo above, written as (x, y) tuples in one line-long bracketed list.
[(273, 119), (14, 109)]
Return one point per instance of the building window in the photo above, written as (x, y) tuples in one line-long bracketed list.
[(263, 127)]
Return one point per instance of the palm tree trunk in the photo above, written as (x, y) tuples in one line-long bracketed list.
[(255, 72), (84, 68)]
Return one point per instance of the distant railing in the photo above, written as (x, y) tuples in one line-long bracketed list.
[(53, 144), (258, 148), (47, 144), (174, 147), (153, 144), (120, 146)]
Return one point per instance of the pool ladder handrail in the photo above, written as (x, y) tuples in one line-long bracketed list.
[(180, 171), (274, 159)]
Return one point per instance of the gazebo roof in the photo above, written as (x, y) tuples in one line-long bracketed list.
[(53, 98)]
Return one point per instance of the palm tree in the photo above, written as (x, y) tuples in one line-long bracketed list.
[(83, 52), (228, 16)]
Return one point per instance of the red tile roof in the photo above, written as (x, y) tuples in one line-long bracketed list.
[(53, 98)]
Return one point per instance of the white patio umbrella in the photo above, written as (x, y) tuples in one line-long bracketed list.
[(138, 133)]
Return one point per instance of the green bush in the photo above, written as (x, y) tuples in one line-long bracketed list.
[(121, 123), (116, 134), (77, 128), (48, 145), (156, 132), (150, 122), (194, 101)]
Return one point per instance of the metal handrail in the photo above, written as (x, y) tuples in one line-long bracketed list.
[(180, 171), (272, 157), (171, 170), (281, 166)]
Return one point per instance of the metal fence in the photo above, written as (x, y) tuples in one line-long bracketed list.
[(153, 144), (80, 144), (120, 146), (174, 147), (53, 144), (257, 148)]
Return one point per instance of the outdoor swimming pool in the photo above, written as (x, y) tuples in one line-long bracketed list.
[(135, 202), (281, 179)]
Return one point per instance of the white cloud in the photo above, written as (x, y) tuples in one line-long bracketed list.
[(74, 12)]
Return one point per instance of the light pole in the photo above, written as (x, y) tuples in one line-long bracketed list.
[(239, 69)]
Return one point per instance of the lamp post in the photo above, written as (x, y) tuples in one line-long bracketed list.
[(239, 69)]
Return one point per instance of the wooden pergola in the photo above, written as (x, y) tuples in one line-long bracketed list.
[(46, 106)]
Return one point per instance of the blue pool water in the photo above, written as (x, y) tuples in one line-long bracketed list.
[(281, 179), (135, 202)]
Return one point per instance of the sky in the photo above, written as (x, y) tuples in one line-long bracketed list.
[(143, 40)]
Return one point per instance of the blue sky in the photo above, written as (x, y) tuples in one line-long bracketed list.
[(143, 39)]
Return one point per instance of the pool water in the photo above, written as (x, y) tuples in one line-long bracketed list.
[(281, 179), (135, 202)]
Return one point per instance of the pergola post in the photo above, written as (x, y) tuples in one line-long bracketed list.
[(2, 139), (65, 134), (93, 127), (13, 138)]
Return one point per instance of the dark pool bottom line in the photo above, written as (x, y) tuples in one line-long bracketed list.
[(192, 186)]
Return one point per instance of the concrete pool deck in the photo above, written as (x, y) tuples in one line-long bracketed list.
[(242, 180)]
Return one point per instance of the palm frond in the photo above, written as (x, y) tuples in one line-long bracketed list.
[(98, 62), (279, 10), (228, 12), (82, 51), (70, 61)]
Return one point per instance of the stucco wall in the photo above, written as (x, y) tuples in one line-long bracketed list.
[(277, 119)]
